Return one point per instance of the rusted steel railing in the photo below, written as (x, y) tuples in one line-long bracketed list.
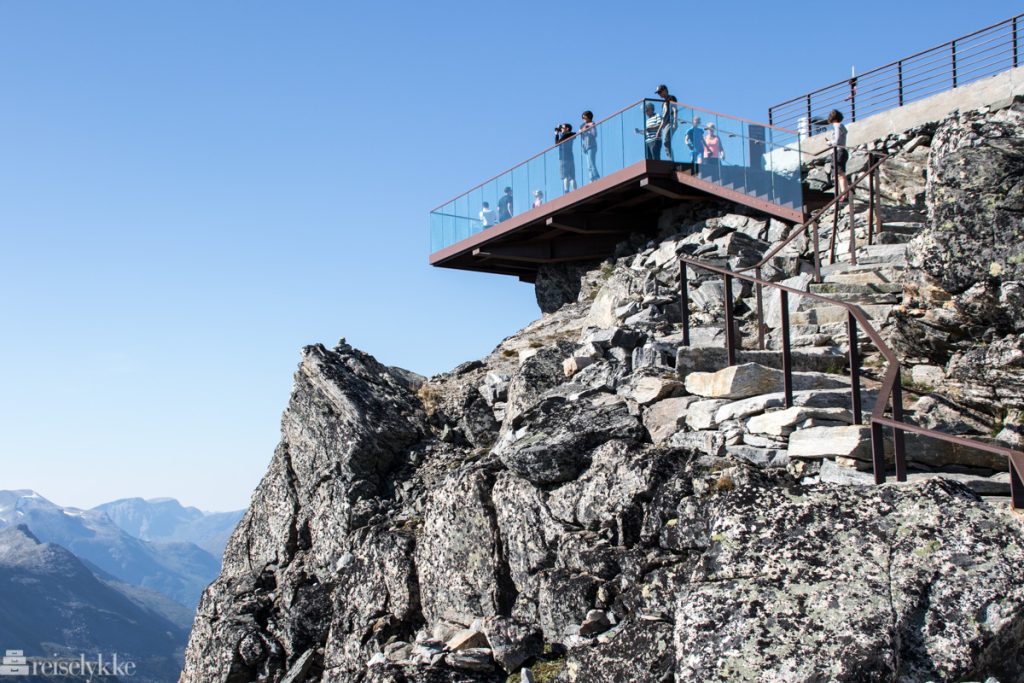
[(953, 64), (890, 393)]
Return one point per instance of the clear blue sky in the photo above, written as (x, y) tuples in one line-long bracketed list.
[(191, 191)]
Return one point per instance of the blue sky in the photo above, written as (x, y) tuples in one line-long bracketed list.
[(192, 191)]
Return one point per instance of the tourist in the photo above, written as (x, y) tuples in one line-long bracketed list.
[(837, 139), (588, 140), (669, 119), (505, 205), (652, 132), (538, 198), (695, 142), (564, 137), (714, 153), (488, 216)]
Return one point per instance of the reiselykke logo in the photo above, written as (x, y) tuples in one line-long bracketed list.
[(15, 663)]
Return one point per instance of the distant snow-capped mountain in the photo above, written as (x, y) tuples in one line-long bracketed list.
[(179, 570), (165, 520)]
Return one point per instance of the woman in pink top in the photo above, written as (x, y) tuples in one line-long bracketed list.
[(714, 154)]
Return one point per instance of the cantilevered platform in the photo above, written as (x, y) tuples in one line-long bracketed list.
[(760, 171)]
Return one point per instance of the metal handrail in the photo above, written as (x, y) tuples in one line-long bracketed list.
[(815, 219), (948, 61), (891, 389)]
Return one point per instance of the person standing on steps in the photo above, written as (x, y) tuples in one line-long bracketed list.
[(695, 141), (652, 132), (669, 119), (588, 140), (837, 139), (505, 205), (564, 137)]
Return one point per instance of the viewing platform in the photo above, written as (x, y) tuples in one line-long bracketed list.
[(623, 180)]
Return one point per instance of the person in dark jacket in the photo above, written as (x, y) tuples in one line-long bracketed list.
[(505, 205), (564, 138)]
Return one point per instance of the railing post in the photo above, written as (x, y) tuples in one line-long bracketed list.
[(871, 199), (730, 332), (815, 225), (899, 447), (851, 329), (810, 130), (760, 310), (853, 99), (878, 452), (853, 227), (1016, 488), (787, 358), (953, 50), (1014, 32), (899, 80), (684, 302)]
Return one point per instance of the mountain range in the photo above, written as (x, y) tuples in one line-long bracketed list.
[(122, 577), (152, 545), (54, 605)]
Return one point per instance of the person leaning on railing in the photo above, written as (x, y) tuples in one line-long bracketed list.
[(837, 139)]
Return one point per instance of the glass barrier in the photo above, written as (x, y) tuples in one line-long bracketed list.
[(753, 159)]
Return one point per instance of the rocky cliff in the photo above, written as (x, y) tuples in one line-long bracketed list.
[(594, 502)]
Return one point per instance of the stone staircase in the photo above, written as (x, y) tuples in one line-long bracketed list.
[(816, 438)]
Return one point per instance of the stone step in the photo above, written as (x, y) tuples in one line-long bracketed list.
[(888, 272), (710, 359), (859, 298), (882, 254), (842, 289), (827, 315), (995, 485), (905, 227)]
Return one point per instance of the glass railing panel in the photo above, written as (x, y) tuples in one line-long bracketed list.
[(752, 159)]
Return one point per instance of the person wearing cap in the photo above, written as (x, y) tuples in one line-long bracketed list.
[(714, 153), (505, 205), (669, 119)]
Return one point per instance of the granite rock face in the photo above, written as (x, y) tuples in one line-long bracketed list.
[(647, 515), (578, 546), (976, 199)]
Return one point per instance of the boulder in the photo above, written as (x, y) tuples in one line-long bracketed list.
[(551, 441), (783, 422), (666, 417), (512, 642), (737, 381), (701, 414), (831, 442), (651, 388)]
